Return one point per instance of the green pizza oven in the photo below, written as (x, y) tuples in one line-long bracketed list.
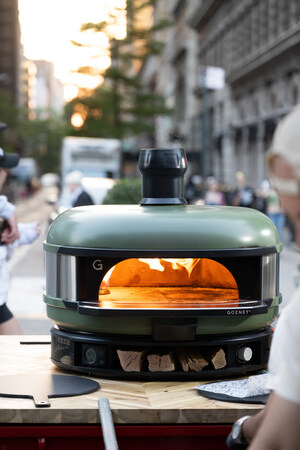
[(84, 243), (162, 270)]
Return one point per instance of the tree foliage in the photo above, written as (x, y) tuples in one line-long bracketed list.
[(126, 191), (123, 105), (42, 140), (9, 114), (38, 139)]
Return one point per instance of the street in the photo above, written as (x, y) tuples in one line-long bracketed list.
[(28, 277)]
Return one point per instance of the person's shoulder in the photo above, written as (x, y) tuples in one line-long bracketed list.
[(3, 200), (6, 207), (83, 199), (87, 196), (294, 303), (287, 324)]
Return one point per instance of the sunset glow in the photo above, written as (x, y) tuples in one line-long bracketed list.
[(49, 26), (77, 120)]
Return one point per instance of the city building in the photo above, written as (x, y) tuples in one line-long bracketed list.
[(10, 49), (47, 98), (41, 92), (255, 44), (29, 84), (28, 87)]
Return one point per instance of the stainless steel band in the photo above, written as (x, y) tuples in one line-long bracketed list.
[(61, 279)]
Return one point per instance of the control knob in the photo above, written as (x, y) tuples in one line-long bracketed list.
[(244, 354)]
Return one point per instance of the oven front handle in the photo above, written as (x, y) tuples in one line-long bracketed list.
[(92, 309)]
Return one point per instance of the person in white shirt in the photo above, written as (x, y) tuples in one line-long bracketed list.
[(74, 193), (277, 426), (12, 235), (28, 232), (9, 234), (7, 210)]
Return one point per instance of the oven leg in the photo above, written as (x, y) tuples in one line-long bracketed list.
[(107, 424)]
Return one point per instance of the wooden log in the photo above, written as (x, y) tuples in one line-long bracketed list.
[(191, 359), (131, 360), (218, 358), (161, 362)]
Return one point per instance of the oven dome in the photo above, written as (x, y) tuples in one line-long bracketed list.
[(186, 227)]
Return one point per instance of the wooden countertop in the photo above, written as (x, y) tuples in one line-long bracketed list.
[(132, 402)]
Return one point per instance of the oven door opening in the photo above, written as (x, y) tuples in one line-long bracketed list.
[(165, 283)]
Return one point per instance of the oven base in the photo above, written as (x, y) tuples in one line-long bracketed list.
[(98, 355)]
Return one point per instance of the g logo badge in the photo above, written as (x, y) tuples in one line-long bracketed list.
[(97, 264)]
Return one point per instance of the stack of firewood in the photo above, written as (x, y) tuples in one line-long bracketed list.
[(188, 359)]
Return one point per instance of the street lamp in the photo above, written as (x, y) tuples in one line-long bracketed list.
[(210, 78)]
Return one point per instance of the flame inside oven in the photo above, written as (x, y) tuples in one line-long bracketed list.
[(168, 283)]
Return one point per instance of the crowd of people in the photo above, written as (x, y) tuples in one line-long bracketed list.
[(264, 199)]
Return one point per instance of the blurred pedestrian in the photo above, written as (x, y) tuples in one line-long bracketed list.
[(213, 196), (243, 195), (74, 193), (7, 210), (193, 190), (9, 234), (274, 210), (28, 232), (261, 196), (277, 426)]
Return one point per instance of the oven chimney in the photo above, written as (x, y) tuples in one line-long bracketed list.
[(162, 171)]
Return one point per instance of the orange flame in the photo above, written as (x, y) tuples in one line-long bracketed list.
[(170, 272)]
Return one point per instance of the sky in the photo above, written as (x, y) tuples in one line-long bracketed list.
[(47, 28)]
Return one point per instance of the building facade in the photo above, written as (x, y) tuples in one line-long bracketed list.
[(257, 45), (41, 92), (10, 49)]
